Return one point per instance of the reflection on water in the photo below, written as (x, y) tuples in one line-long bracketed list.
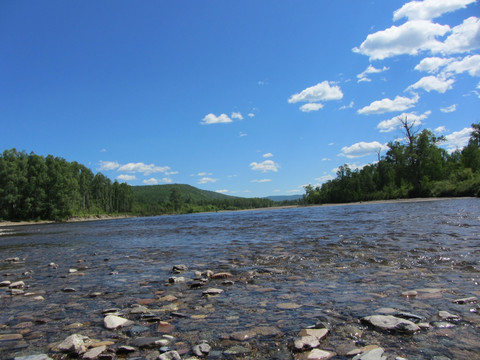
[(337, 264)]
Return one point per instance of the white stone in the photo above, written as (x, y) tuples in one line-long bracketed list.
[(114, 322), (74, 344), (94, 353), (389, 322)]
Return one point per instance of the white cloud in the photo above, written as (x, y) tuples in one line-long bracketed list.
[(151, 181), (294, 191), (108, 165), (370, 70), (267, 155), (241, 134), (440, 130), (267, 165), (167, 180), (400, 103), (349, 106), (251, 115), (171, 173), (449, 109), (311, 107), (395, 122), (429, 9), (140, 167), (126, 177), (205, 180), (432, 64), (103, 150), (321, 92), (204, 174), (409, 38), (237, 115), (213, 119), (261, 181), (457, 139), (325, 178), (433, 83), (465, 37), (362, 149), (470, 64), (223, 191)]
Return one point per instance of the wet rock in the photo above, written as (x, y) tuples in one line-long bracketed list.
[(391, 323), (318, 333), (212, 291), (445, 315), (237, 350), (34, 357), (94, 353), (69, 290), (202, 349), (74, 344), (443, 324), (468, 300), (5, 283), (10, 337), (306, 342), (125, 349), (315, 354), (410, 293), (177, 280), (71, 271), (288, 306), (12, 259), (374, 354), (409, 316), (165, 327), (349, 331), (137, 330), (139, 309), (147, 342), (170, 355), (16, 292), (221, 275), (114, 322), (177, 269), (17, 285), (53, 265)]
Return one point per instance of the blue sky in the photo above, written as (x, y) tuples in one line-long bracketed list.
[(250, 98)]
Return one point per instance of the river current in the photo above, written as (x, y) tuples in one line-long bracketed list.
[(326, 266)]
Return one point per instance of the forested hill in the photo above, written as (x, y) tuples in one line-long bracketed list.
[(162, 193), (414, 167)]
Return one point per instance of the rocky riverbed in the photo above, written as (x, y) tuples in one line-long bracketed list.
[(339, 299)]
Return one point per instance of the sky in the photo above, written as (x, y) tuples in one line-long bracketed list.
[(246, 98)]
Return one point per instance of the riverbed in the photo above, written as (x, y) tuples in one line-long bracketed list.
[(276, 271)]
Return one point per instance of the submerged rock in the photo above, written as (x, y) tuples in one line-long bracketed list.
[(391, 323)]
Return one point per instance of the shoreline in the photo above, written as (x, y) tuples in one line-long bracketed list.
[(115, 217)]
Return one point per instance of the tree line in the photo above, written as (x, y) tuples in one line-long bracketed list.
[(413, 167), (34, 187)]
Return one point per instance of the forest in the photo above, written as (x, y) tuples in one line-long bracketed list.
[(415, 166)]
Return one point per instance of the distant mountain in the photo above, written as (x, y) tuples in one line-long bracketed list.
[(161, 193), (285, 197)]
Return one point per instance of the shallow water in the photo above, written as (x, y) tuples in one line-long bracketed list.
[(332, 265)]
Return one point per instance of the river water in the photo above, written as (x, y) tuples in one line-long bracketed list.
[(291, 269)]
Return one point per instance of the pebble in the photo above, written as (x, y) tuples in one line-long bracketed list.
[(202, 349), (468, 300), (94, 352), (288, 306), (445, 315), (5, 283), (170, 355), (410, 293), (74, 344), (306, 342), (374, 354), (213, 291), (176, 280), (177, 269), (34, 357), (315, 354), (10, 337), (17, 285), (114, 322), (392, 323)]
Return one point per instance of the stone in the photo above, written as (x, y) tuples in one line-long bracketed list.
[(221, 275), (114, 322), (140, 309), (71, 271), (10, 337), (68, 290), (288, 306), (137, 330), (177, 269), (391, 323), (315, 354), (74, 344), (468, 300), (146, 342), (177, 280), (94, 353), (445, 315), (170, 355), (16, 292), (212, 291), (34, 357), (5, 283), (17, 285), (125, 349), (12, 259), (374, 354), (306, 342), (318, 333), (410, 293), (202, 349), (237, 350)]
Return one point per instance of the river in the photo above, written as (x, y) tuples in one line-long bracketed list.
[(323, 267)]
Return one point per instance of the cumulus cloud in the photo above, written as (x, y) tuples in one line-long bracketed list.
[(151, 181), (363, 77), (432, 64), (213, 119), (429, 9), (222, 191), (261, 181), (126, 177), (395, 122), (457, 139), (433, 83), (465, 37), (362, 149), (349, 106), (205, 180), (251, 115), (267, 165), (409, 38), (470, 64), (108, 165), (324, 178), (167, 180), (449, 109), (400, 103), (323, 91), (140, 167), (237, 115), (311, 107), (267, 155)]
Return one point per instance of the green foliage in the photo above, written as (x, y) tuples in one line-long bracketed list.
[(415, 168), (33, 187)]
